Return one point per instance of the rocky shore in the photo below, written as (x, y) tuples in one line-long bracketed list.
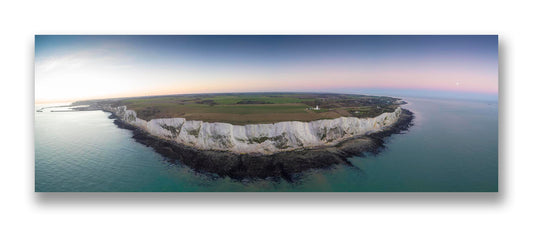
[(277, 165)]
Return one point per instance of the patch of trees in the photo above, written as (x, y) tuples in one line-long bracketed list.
[(209, 102), (254, 102)]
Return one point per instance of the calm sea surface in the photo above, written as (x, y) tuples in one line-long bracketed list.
[(453, 146)]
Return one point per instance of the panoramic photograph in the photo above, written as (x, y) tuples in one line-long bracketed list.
[(266, 113)]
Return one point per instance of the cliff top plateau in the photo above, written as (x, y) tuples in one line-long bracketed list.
[(254, 108)]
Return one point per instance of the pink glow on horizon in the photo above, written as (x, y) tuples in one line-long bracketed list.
[(452, 77)]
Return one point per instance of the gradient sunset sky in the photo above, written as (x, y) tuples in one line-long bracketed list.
[(69, 68)]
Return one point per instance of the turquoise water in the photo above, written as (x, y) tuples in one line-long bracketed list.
[(453, 146)]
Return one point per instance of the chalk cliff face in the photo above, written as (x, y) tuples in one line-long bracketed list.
[(260, 138)]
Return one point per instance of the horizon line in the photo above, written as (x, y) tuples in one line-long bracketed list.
[(357, 91)]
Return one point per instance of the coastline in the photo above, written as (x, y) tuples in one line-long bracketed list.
[(257, 138), (278, 165)]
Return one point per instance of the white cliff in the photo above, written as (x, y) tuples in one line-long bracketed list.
[(262, 138)]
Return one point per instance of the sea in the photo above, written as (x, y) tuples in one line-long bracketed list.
[(452, 147)]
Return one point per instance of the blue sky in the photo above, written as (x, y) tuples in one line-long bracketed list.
[(84, 67)]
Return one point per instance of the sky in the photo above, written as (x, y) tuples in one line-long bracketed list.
[(72, 67)]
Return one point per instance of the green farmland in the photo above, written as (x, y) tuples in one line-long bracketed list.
[(250, 108)]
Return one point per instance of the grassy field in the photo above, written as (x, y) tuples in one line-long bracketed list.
[(248, 108)]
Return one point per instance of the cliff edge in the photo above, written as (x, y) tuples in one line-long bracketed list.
[(257, 138)]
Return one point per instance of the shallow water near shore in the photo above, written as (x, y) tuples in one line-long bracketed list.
[(453, 146)]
